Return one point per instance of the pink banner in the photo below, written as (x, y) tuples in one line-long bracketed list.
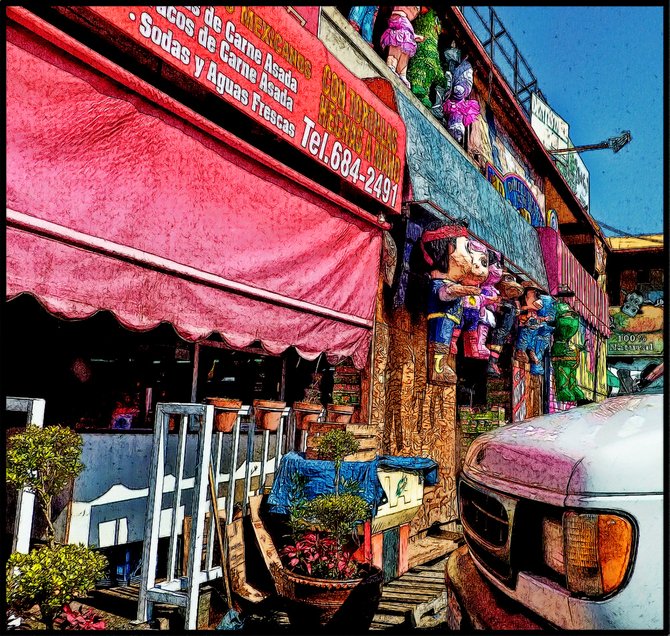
[(114, 203)]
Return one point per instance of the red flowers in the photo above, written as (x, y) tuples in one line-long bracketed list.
[(319, 555), (71, 619)]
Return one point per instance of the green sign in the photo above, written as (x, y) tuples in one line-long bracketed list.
[(635, 344)]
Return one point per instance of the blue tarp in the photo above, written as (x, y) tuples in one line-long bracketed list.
[(320, 476)]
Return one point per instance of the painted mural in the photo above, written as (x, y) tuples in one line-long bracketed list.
[(500, 161), (440, 173), (635, 347)]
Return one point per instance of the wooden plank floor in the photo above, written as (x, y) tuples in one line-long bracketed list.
[(415, 599)]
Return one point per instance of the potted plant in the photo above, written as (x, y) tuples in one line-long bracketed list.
[(44, 460), (309, 409), (324, 586), (339, 413), (226, 410), (268, 414)]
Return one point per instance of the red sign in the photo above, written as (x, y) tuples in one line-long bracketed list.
[(262, 61)]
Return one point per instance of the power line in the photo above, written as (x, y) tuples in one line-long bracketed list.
[(628, 234)]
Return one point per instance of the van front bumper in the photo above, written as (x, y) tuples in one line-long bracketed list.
[(472, 603)]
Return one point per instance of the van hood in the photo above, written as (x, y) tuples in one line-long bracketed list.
[(611, 447)]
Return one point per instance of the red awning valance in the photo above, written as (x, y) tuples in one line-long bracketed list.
[(114, 203)]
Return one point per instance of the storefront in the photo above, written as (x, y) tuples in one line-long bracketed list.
[(154, 256), (417, 414)]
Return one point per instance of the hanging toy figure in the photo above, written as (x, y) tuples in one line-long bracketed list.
[(456, 271), (401, 41), (490, 297), (506, 316), (547, 316), (565, 355), (528, 324), (459, 110), (424, 69), (363, 20)]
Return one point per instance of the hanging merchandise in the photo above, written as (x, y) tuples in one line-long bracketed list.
[(424, 70), (363, 20), (507, 312), (459, 110), (547, 317), (456, 273), (474, 307), (565, 354), (489, 300), (412, 235), (528, 324), (452, 58), (401, 40)]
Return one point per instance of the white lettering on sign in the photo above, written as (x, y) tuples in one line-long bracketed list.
[(256, 59)]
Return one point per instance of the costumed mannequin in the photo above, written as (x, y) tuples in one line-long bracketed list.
[(459, 110), (424, 69), (454, 273), (547, 316), (507, 311), (565, 355), (452, 58), (401, 40), (363, 20), (528, 324)]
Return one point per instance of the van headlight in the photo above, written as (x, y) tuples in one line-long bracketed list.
[(592, 551)]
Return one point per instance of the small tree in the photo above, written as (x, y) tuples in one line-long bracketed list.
[(323, 526), (51, 576), (44, 460)]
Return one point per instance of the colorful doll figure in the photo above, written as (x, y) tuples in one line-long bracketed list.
[(490, 297), (547, 316), (528, 324), (459, 110), (458, 267), (363, 20), (424, 69), (401, 40), (507, 311), (565, 355)]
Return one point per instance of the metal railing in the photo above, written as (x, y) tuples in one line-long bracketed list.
[(504, 53)]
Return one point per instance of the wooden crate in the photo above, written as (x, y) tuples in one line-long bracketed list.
[(364, 433)]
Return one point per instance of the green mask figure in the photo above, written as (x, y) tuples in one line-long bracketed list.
[(424, 68), (565, 355)]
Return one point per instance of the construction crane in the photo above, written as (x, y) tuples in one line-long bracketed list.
[(615, 143)]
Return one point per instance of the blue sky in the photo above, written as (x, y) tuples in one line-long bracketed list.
[(601, 70)]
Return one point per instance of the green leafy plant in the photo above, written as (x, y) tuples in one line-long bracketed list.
[(335, 446), (51, 576), (323, 527), (44, 460)]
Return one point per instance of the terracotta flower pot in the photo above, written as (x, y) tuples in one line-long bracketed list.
[(345, 606), (225, 413), (339, 413), (305, 413), (268, 414)]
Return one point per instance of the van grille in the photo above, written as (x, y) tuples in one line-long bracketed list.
[(488, 517), (485, 515)]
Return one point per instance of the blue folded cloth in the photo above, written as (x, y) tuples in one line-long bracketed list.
[(320, 477)]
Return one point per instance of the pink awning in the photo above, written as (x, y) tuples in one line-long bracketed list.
[(114, 203), (589, 301)]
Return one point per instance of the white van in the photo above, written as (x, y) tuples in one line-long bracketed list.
[(563, 514)]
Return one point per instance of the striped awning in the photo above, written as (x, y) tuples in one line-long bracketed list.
[(563, 269)]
